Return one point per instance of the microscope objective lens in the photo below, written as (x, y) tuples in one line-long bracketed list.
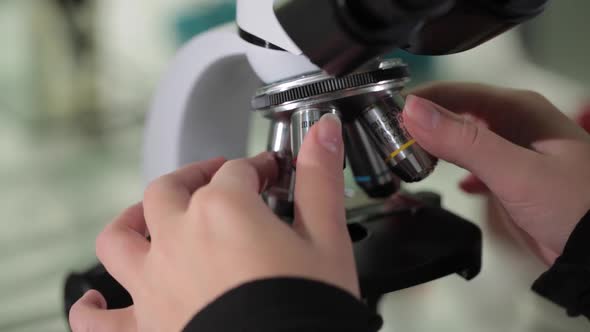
[(301, 123), (378, 148), (279, 197), (371, 173), (383, 122)]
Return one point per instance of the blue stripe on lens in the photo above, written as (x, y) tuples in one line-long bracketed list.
[(363, 179)]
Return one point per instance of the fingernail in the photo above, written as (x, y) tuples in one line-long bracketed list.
[(330, 132), (424, 113), (95, 298)]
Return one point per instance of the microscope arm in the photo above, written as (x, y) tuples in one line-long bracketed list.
[(195, 98)]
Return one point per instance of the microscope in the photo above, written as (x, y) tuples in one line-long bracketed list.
[(293, 61)]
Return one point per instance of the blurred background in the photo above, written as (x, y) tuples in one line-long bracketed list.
[(76, 79)]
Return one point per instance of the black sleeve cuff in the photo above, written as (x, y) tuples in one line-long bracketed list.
[(567, 283), (285, 304)]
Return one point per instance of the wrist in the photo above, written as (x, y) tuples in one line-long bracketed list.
[(577, 246), (567, 281), (565, 225)]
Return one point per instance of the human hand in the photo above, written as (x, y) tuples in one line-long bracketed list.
[(211, 232), (529, 155)]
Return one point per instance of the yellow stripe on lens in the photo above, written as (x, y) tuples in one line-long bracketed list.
[(400, 150)]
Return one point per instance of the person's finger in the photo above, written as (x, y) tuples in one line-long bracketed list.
[(234, 189), (170, 194), (319, 184), (500, 164), (473, 185), (90, 313), (122, 245), (251, 175), (584, 119), (520, 116)]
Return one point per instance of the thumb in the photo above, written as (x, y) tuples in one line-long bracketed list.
[(500, 164), (90, 313), (319, 184)]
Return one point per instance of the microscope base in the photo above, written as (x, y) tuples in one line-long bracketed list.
[(399, 243), (397, 246)]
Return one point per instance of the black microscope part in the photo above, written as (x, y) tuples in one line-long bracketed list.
[(412, 247), (252, 39), (360, 30), (97, 278)]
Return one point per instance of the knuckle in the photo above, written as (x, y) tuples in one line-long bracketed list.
[(463, 139), (314, 164), (211, 199), (470, 133), (198, 199), (153, 189)]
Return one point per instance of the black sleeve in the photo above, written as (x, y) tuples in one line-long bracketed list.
[(285, 304), (567, 283)]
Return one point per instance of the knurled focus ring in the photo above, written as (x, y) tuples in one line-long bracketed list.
[(328, 86)]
